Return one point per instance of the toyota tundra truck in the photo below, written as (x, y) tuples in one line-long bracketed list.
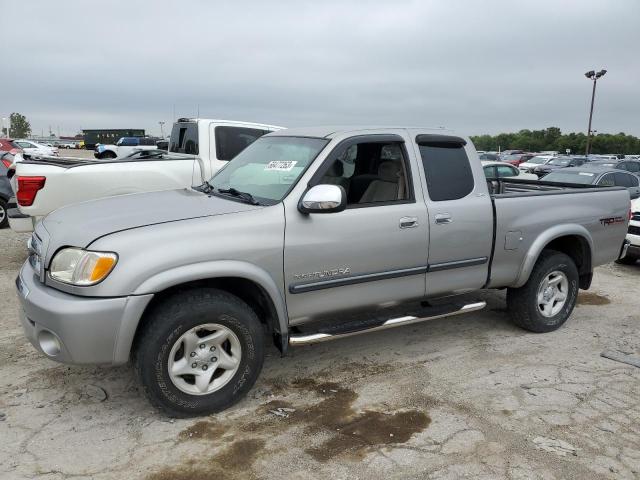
[(308, 235)]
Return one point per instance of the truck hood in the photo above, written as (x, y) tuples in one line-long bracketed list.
[(80, 224)]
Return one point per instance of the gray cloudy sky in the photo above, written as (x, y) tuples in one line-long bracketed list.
[(480, 67)]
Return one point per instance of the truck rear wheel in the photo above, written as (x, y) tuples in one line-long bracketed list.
[(544, 303), (199, 352)]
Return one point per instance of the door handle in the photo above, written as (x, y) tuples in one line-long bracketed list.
[(443, 218), (408, 222)]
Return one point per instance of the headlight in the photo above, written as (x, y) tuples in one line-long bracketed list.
[(81, 267)]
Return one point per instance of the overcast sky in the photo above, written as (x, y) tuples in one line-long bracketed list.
[(478, 67)]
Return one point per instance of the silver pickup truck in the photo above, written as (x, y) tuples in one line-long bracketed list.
[(307, 235)]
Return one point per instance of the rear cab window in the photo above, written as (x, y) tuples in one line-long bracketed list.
[(230, 141), (184, 138), (446, 167)]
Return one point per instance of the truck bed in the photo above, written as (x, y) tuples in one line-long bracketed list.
[(524, 208), (513, 186), (71, 162)]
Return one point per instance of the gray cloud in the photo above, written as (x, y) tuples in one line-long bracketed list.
[(480, 67)]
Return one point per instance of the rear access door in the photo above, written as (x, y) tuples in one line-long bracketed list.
[(460, 214)]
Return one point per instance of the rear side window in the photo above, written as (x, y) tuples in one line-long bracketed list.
[(607, 180), (447, 170), (625, 180), (506, 171), (230, 141), (184, 138)]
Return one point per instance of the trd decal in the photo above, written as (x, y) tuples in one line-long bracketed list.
[(611, 221)]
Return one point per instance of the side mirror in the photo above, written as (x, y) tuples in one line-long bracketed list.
[(323, 199)]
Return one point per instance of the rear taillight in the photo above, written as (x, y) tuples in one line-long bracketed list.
[(28, 188), (6, 163)]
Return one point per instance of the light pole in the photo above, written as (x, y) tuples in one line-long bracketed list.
[(1, 130), (594, 76), (161, 129)]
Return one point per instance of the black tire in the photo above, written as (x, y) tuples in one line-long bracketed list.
[(4, 218), (168, 321), (107, 155), (522, 303), (627, 260)]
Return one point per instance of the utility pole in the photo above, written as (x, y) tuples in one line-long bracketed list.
[(161, 129), (592, 75)]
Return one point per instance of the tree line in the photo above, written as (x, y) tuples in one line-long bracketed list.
[(19, 126), (553, 139)]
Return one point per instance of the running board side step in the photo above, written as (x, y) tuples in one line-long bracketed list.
[(307, 339)]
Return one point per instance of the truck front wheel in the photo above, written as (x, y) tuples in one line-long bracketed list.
[(199, 352), (545, 302)]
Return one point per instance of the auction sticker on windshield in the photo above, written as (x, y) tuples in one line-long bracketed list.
[(281, 165)]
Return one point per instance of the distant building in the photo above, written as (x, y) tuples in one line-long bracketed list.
[(108, 136)]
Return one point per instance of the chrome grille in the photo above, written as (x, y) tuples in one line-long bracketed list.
[(635, 216)]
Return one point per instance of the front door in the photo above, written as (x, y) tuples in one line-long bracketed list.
[(374, 253)]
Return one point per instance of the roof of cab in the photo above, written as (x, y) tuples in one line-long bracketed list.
[(327, 131)]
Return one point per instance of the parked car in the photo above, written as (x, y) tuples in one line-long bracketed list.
[(67, 145), (516, 159), (534, 162), (633, 236), (556, 163), (630, 165), (495, 170), (5, 189), (596, 175), (30, 148), (8, 145), (492, 157), (199, 148), (307, 235), (125, 146)]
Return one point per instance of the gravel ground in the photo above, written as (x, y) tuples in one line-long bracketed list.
[(469, 396)]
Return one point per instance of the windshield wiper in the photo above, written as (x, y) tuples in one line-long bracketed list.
[(247, 197)]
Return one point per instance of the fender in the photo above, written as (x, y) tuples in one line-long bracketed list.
[(542, 241), (202, 271)]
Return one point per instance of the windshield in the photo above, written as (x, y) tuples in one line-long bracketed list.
[(561, 162), (269, 167), (585, 178), (516, 156)]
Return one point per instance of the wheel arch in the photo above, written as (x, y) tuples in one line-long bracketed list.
[(248, 282), (572, 240)]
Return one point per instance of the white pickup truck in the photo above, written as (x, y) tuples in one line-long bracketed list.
[(197, 149)]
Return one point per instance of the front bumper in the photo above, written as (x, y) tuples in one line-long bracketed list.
[(74, 329)]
